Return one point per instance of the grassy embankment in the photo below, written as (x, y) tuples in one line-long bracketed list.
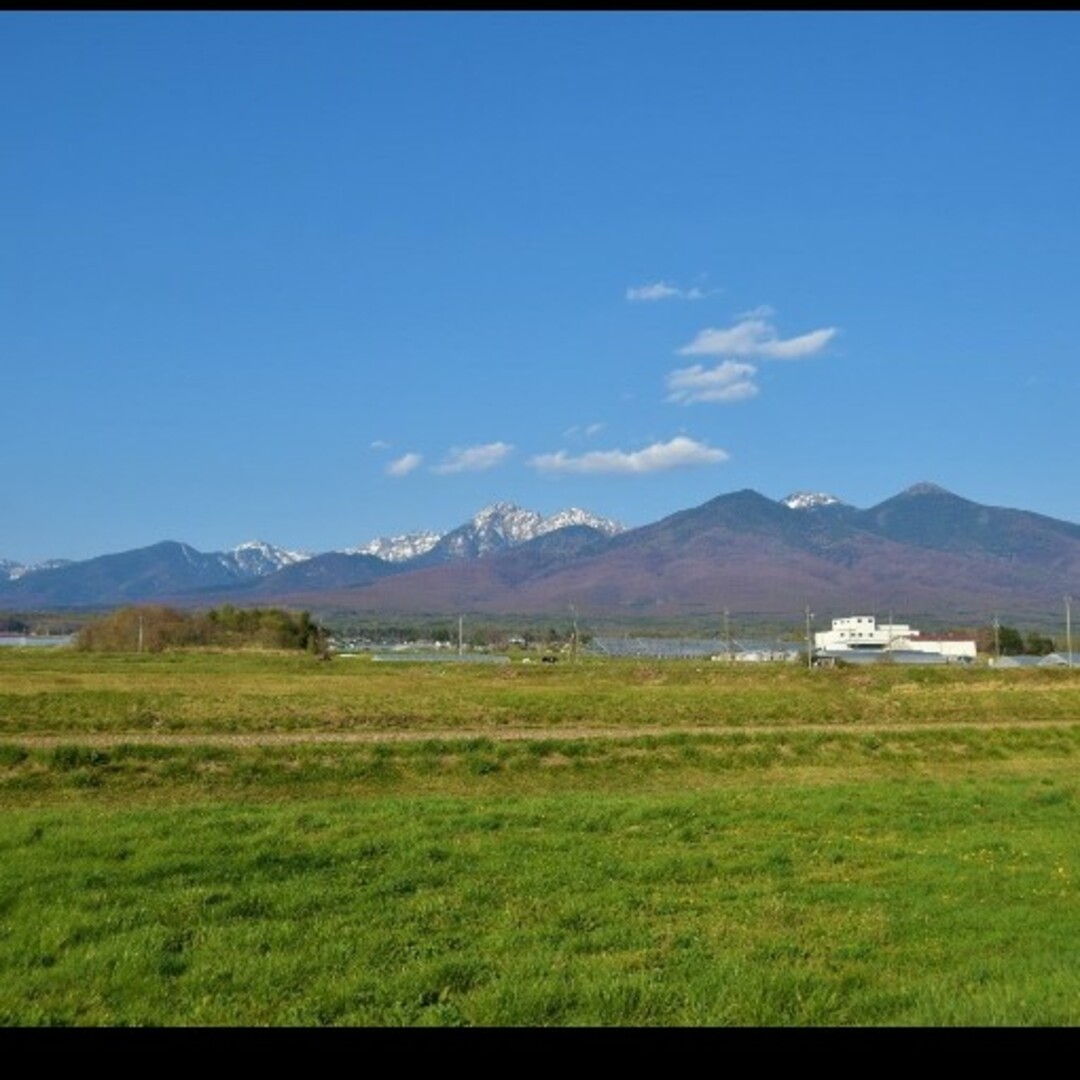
[(238, 839)]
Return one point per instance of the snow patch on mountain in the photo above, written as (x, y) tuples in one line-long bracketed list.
[(256, 558), (574, 516), (12, 571), (810, 500), (397, 549)]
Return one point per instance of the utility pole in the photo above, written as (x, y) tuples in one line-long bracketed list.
[(727, 634), (460, 637), (809, 640), (140, 631), (573, 640), (1068, 628), (997, 637)]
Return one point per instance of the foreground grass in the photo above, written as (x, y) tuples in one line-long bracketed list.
[(868, 848), (908, 902)]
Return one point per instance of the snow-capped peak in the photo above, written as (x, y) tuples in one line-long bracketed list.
[(513, 525), (398, 548), (575, 516), (12, 571), (809, 500), (503, 521), (270, 551), (504, 525), (256, 558), (498, 526)]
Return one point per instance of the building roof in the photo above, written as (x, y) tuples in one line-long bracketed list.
[(881, 656)]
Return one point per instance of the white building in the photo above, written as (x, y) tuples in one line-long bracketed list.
[(863, 634)]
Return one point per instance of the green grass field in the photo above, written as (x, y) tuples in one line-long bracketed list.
[(245, 839)]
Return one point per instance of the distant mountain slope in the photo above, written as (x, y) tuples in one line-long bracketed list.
[(189, 568), (750, 553), (333, 570), (128, 577), (923, 551), (928, 516), (256, 571)]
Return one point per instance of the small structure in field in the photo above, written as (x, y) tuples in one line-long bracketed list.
[(856, 637)]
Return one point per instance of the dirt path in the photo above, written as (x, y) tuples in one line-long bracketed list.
[(494, 734)]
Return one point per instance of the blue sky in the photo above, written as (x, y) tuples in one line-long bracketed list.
[(317, 278)]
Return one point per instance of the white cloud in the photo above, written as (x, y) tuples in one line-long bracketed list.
[(757, 337), (474, 458), (762, 311), (404, 464), (661, 290), (657, 291), (678, 453), (379, 444), (729, 381)]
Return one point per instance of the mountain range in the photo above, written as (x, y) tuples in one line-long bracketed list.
[(923, 552)]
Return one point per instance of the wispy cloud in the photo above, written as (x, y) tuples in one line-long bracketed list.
[(474, 458), (661, 290), (729, 381), (754, 336), (586, 432), (404, 464), (679, 453), (379, 444)]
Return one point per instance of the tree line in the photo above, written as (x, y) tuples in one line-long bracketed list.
[(153, 628), (1008, 641)]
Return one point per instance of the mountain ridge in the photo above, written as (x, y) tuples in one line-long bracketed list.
[(924, 549), (497, 525)]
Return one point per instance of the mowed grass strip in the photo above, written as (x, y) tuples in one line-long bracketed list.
[(35, 774)]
